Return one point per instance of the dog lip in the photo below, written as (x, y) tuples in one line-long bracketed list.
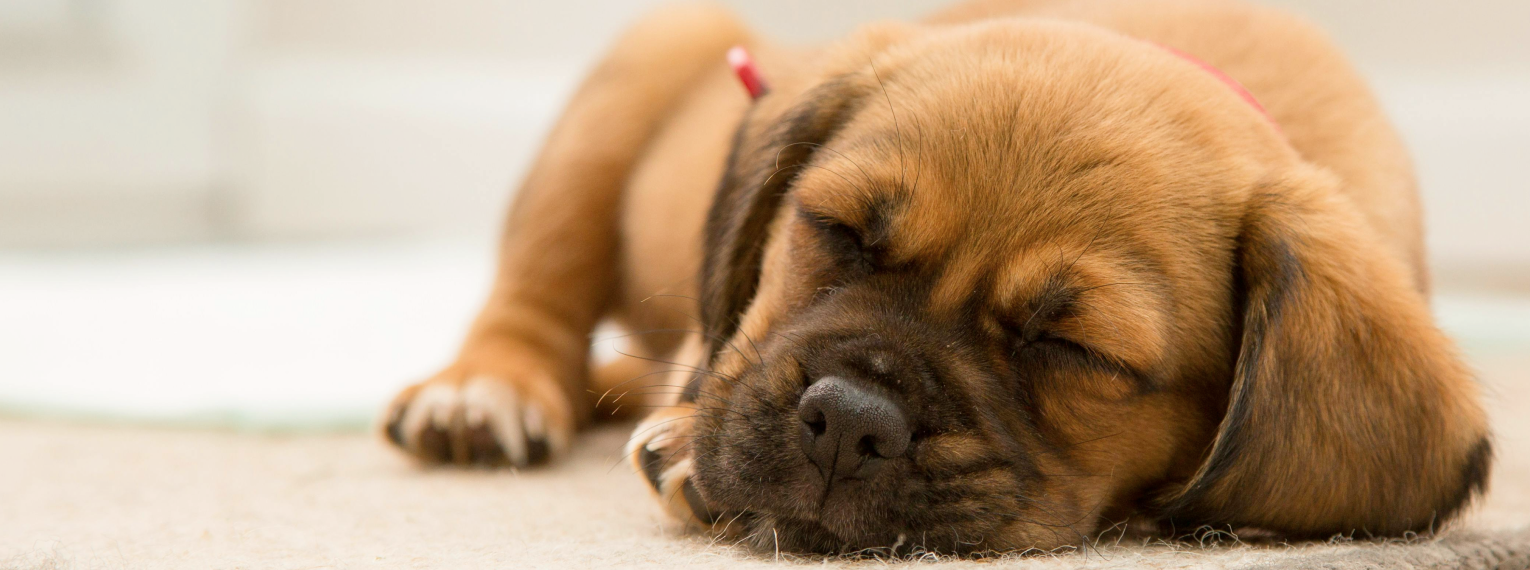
[(851, 507)]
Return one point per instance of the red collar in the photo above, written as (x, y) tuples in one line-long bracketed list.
[(1231, 83), (748, 74)]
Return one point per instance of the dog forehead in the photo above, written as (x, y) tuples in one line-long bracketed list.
[(949, 200), (978, 155)]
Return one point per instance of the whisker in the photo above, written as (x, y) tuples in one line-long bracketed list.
[(691, 369), (693, 318), (608, 391)]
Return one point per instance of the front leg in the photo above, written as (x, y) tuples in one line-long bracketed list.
[(516, 391), (519, 387)]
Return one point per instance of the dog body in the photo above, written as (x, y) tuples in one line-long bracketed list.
[(1068, 274)]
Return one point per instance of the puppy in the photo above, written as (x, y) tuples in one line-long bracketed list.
[(989, 282)]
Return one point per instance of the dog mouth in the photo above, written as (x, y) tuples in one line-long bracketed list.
[(769, 532), (835, 534), (834, 442), (838, 527), (972, 526), (757, 482), (766, 498), (826, 463)]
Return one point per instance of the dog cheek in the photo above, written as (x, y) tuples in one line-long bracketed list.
[(1114, 451)]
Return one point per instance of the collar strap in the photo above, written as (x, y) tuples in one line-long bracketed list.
[(1227, 80), (748, 74)]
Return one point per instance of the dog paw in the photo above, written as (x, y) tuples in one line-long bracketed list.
[(482, 419), (660, 450)]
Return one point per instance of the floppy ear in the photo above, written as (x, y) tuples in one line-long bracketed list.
[(1348, 410), (770, 149)]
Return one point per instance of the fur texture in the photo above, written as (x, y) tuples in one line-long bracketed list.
[(1098, 282)]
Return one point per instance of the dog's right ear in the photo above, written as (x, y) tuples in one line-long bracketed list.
[(772, 147), (1349, 412)]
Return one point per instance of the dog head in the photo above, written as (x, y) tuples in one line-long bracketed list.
[(983, 288)]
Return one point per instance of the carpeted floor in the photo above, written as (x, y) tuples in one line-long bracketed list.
[(104, 496)]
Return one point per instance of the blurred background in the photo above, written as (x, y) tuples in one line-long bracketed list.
[(274, 213)]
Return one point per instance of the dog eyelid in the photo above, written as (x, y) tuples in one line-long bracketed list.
[(1081, 355), (826, 222), (1037, 332), (853, 238)]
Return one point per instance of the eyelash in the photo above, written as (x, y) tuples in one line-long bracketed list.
[(1043, 340), (1063, 344), (846, 242)]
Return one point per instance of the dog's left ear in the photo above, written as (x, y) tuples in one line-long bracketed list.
[(770, 149), (1348, 412), (776, 141)]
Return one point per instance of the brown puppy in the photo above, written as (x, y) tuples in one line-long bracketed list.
[(979, 284)]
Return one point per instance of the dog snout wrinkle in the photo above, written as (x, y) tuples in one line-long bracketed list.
[(850, 428)]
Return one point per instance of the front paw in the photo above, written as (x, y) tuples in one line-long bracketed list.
[(469, 417), (661, 449)]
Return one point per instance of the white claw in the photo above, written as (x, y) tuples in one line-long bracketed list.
[(474, 417), (536, 425), (428, 406), (509, 414), (503, 413)]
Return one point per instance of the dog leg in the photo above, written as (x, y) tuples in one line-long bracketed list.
[(518, 389)]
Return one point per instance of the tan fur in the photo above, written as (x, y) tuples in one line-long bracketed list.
[(1265, 278)]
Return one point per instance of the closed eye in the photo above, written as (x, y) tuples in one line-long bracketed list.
[(1062, 344), (845, 243), (1040, 338), (1036, 337), (1042, 350)]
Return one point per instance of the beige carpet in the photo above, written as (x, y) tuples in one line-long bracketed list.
[(102, 496)]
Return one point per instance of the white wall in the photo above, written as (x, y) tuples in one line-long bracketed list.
[(110, 118), (137, 121), (1456, 78)]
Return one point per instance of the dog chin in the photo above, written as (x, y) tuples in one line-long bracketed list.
[(799, 535), (786, 534), (841, 528), (809, 521)]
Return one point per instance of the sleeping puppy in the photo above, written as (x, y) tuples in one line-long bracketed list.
[(989, 282)]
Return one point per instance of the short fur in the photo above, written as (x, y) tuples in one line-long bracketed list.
[(1100, 283)]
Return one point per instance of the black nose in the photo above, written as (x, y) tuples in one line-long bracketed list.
[(849, 428)]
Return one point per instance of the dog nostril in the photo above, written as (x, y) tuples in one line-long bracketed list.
[(867, 447), (817, 427), (813, 417)]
